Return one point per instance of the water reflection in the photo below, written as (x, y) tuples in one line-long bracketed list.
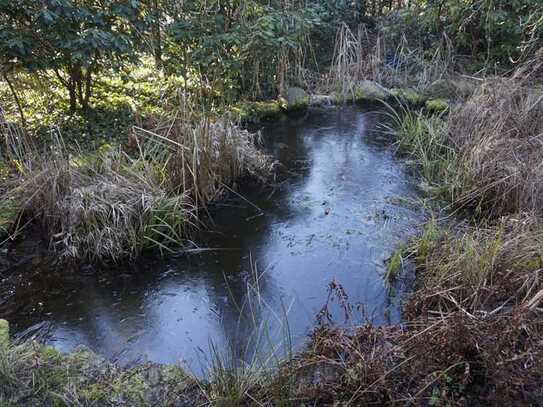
[(332, 219)]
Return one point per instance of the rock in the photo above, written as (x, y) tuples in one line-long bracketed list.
[(254, 112), (437, 105), (4, 332), (407, 95), (154, 375), (317, 375), (297, 99), (321, 100), (448, 88), (370, 91)]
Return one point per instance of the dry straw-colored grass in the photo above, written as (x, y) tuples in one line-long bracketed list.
[(203, 156), (498, 136), (391, 62), (104, 205), (111, 205), (481, 270)]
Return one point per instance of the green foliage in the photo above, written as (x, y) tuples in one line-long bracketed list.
[(423, 138), (237, 49), (395, 265), (73, 39), (498, 30)]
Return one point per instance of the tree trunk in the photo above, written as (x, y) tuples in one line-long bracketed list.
[(73, 97), (88, 88), (16, 98), (76, 87), (155, 32)]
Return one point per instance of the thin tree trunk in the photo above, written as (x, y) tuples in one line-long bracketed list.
[(16, 98), (71, 85), (88, 88), (157, 40)]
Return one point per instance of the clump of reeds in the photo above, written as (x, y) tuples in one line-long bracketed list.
[(204, 155), (104, 205), (482, 269), (424, 139), (111, 205), (394, 63), (498, 136)]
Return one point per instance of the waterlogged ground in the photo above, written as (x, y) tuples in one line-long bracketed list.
[(344, 206)]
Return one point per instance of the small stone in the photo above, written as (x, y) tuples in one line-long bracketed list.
[(154, 375), (370, 91), (321, 100)]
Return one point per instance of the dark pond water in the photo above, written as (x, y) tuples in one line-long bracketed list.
[(336, 217)]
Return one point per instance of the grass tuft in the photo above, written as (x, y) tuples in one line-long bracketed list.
[(110, 204)]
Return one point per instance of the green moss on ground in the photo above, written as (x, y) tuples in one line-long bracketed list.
[(36, 375), (408, 96), (254, 112), (370, 91), (4, 333), (437, 105)]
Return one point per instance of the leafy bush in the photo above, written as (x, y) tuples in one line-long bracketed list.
[(497, 30)]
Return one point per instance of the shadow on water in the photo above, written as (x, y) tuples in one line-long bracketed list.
[(334, 218)]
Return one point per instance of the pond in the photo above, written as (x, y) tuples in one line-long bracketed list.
[(275, 257)]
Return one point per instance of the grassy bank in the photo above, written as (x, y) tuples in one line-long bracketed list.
[(33, 375), (472, 333)]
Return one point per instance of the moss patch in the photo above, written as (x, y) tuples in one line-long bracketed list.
[(4, 333), (253, 112), (35, 375), (437, 105), (407, 95)]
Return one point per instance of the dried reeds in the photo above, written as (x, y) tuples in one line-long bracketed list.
[(498, 134), (392, 63), (204, 155), (111, 205)]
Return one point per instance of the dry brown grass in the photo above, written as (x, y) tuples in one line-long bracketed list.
[(104, 205), (472, 331), (393, 63), (481, 270), (111, 204), (498, 137), (204, 155), (447, 360)]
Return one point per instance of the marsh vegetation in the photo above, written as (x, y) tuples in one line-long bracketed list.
[(124, 122)]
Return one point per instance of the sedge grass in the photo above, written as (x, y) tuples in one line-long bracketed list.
[(110, 205)]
